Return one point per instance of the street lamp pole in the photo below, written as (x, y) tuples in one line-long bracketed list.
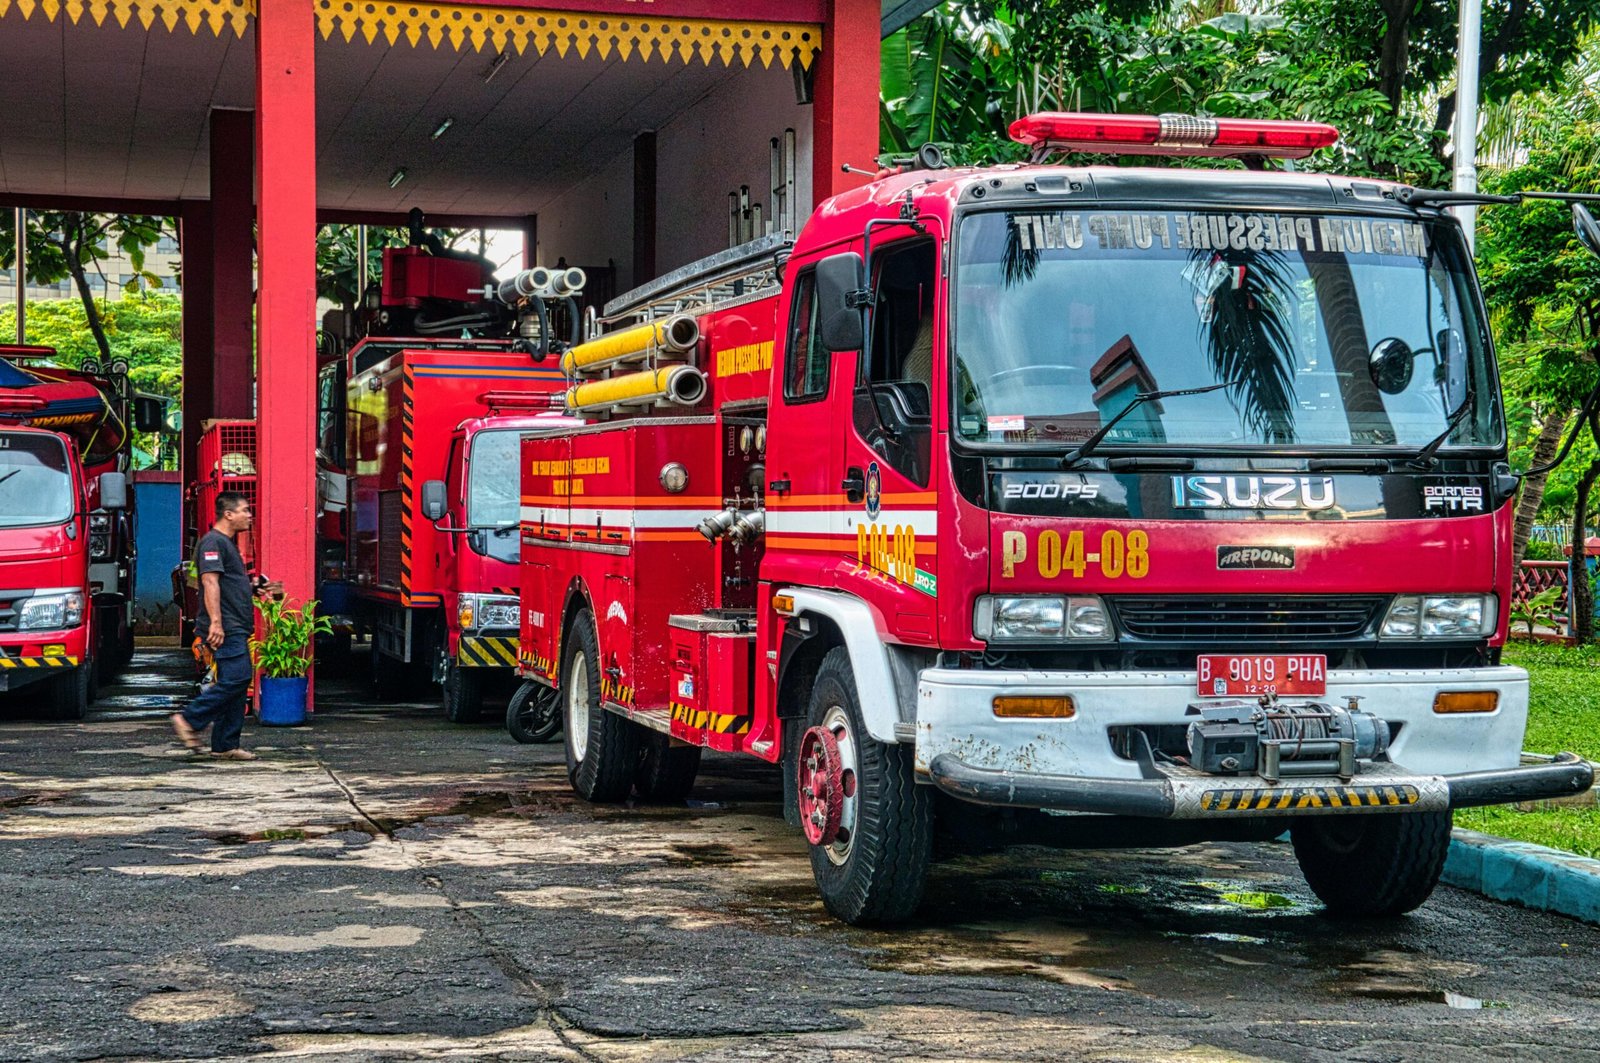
[(1466, 131), (22, 275)]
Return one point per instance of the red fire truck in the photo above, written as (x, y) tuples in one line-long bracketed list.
[(1091, 506), (432, 422), (66, 525)]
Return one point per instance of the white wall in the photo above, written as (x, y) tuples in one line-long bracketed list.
[(593, 222), (718, 143)]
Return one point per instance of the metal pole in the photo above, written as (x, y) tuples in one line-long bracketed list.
[(361, 267), (22, 275), (1466, 132)]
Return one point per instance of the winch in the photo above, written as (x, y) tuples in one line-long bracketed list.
[(1273, 738)]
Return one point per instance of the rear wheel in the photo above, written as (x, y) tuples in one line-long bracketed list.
[(666, 769), (1372, 865), (869, 824), (534, 713), (463, 693), (70, 695), (602, 747)]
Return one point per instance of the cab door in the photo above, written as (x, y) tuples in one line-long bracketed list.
[(885, 465)]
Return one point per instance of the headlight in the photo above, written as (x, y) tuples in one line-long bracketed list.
[(1454, 616), (1041, 619), (487, 611), (50, 612), (100, 523), (99, 547)]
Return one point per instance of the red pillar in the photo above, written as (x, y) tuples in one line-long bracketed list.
[(845, 107), (194, 244), (232, 250), (286, 309)]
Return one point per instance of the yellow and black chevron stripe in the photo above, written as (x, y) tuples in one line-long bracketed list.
[(1285, 798), (407, 481), (615, 692), (487, 651), (38, 662), (703, 720), (535, 663)]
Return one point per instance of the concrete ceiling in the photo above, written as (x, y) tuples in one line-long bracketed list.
[(106, 112)]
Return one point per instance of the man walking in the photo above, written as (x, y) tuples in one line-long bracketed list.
[(225, 623)]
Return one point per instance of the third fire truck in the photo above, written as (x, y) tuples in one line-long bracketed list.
[(1089, 505)]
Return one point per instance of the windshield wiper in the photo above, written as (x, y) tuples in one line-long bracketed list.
[(6, 476), (1424, 459), (1083, 450), (1430, 197)]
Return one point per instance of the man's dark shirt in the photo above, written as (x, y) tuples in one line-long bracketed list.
[(217, 553)]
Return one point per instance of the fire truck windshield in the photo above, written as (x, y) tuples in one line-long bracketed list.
[(35, 487), (1336, 331), (493, 500)]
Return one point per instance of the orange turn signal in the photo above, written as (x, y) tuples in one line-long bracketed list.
[(1466, 701), (783, 603), (1056, 708)]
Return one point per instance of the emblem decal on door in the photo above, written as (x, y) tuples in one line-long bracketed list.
[(874, 490)]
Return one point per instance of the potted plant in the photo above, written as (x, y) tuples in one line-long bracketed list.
[(282, 656)]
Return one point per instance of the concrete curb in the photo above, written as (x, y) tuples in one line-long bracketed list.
[(1533, 876)]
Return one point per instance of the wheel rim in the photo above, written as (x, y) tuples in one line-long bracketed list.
[(821, 786), (578, 705), (836, 722)]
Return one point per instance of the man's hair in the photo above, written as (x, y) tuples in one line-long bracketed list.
[(229, 501)]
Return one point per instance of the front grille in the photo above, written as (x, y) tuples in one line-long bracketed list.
[(1246, 619), (8, 613)]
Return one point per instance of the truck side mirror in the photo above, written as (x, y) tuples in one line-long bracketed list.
[(149, 413), (1587, 228), (433, 499), (113, 490), (839, 278)]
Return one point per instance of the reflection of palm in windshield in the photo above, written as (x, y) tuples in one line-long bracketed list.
[(1053, 340)]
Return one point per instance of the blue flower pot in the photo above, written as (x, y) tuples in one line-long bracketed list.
[(282, 701)]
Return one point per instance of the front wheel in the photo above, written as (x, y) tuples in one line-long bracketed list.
[(534, 713), (1372, 865), (463, 693), (73, 693), (869, 824), (602, 747)]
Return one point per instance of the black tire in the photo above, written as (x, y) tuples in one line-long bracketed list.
[(71, 695), (666, 771), (1372, 865), (463, 693), (602, 747), (876, 874), (534, 713)]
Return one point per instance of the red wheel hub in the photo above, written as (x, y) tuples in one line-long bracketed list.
[(821, 786)]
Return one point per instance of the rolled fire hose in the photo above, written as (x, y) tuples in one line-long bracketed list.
[(680, 385), (677, 333)]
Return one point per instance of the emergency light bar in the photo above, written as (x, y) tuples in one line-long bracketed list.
[(1171, 134), (21, 403), (520, 400)]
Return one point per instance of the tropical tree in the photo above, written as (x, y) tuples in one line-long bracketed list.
[(74, 243)]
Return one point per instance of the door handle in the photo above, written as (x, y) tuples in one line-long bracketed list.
[(854, 484)]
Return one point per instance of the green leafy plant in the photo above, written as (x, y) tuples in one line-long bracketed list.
[(1537, 610), (285, 650)]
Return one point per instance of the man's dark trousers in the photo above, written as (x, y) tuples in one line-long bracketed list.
[(221, 705)]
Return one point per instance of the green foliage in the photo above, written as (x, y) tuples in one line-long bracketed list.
[(1537, 611), (1540, 550), (145, 330), (285, 651)]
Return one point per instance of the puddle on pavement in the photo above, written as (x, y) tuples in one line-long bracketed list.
[(1400, 976)]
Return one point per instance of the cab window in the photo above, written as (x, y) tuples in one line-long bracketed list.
[(902, 360), (805, 370)]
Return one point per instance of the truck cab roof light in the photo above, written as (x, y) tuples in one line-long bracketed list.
[(21, 403), (521, 400), (1171, 134)]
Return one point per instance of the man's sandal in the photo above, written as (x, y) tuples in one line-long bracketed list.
[(234, 754), (185, 733)]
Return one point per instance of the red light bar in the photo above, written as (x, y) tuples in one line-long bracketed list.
[(522, 400), (21, 403), (1172, 134)]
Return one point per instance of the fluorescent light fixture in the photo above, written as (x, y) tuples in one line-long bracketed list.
[(396, 177), (442, 128), (495, 65)]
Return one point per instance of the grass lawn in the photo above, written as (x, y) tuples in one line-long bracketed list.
[(1563, 715)]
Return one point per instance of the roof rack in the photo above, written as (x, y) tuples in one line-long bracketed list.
[(736, 273)]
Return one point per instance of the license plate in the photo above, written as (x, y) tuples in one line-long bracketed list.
[(1232, 675)]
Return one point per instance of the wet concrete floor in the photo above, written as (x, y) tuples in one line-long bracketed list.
[(385, 885)]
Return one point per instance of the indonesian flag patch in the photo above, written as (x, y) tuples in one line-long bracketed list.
[(211, 555)]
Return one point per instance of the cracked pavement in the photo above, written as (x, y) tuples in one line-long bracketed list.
[(385, 885)]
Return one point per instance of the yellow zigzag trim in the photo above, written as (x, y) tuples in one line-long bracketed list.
[(216, 15), (570, 31)]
